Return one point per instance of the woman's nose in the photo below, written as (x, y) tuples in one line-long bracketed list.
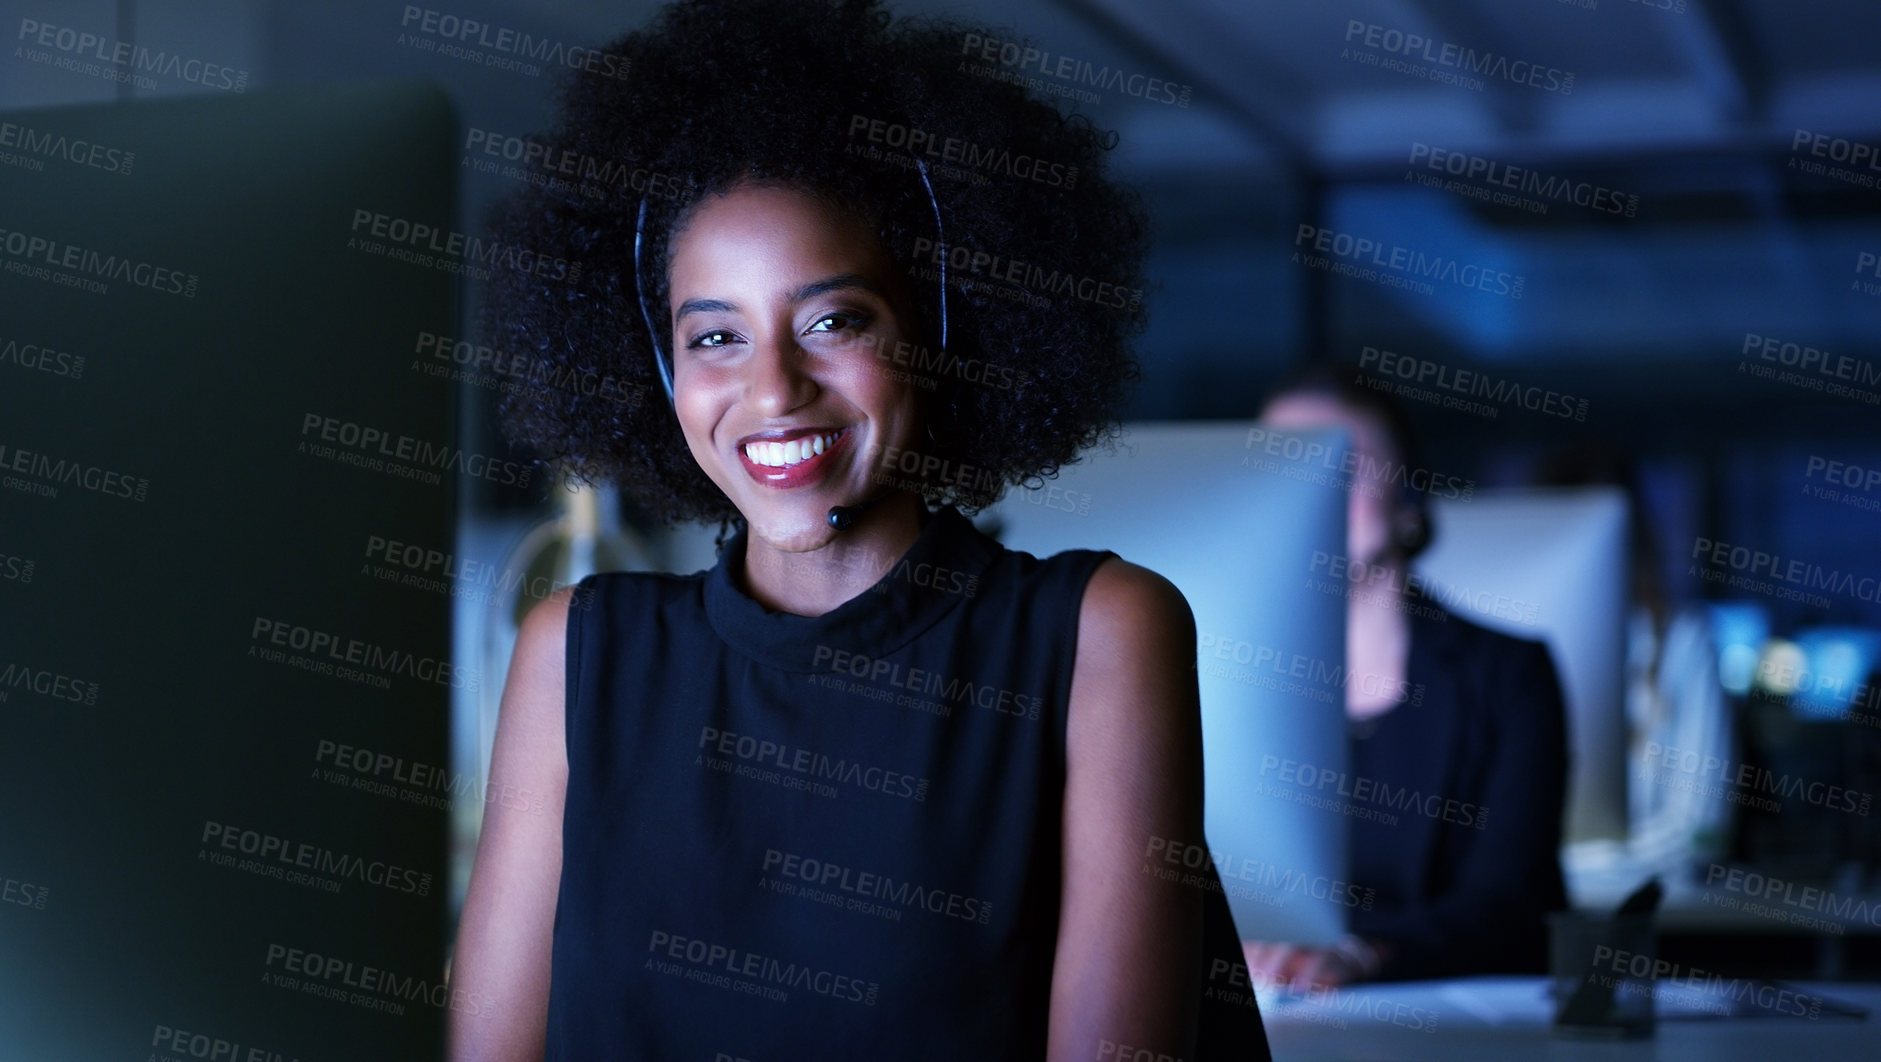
[(776, 381)]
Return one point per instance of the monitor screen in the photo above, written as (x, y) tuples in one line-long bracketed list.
[(1551, 566), (1247, 523)]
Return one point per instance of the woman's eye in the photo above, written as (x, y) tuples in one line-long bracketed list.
[(714, 338), (841, 321)]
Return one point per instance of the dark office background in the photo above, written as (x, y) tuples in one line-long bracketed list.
[(1742, 134), (1693, 110)]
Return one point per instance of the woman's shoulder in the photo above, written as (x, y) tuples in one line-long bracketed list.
[(1130, 592)]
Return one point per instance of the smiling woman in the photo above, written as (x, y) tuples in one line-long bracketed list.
[(820, 801)]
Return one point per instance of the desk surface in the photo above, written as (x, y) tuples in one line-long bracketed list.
[(1509, 1018)]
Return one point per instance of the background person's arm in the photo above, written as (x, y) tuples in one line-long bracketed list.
[(1127, 974), (501, 963)]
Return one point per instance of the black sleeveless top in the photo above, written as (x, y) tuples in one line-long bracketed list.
[(827, 837)]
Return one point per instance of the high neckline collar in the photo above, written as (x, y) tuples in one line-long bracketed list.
[(938, 572)]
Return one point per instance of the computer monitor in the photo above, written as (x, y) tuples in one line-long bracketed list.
[(1243, 521), (1551, 565), (223, 708)]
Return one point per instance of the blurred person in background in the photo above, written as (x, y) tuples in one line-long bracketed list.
[(1437, 706)]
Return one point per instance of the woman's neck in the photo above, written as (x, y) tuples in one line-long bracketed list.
[(812, 582)]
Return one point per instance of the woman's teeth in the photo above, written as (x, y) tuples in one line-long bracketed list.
[(796, 451)]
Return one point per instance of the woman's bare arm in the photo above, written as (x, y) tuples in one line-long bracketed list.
[(500, 970), (1127, 974)]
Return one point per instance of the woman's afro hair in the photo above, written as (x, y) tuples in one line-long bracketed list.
[(1044, 255)]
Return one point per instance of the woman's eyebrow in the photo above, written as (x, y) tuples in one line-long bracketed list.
[(703, 306), (839, 282)]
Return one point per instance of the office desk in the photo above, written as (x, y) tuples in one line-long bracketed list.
[(1508, 1018)]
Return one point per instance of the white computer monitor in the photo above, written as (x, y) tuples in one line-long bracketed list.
[(1237, 517), (1551, 565)]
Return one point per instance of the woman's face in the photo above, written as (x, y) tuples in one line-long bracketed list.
[(1370, 507), (782, 311)]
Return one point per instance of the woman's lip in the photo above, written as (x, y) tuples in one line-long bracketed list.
[(789, 477)]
